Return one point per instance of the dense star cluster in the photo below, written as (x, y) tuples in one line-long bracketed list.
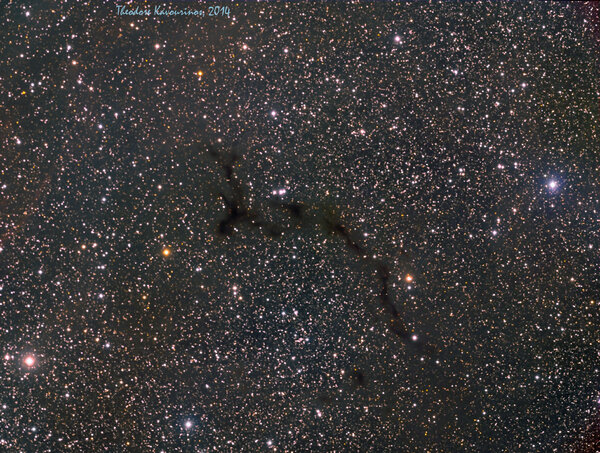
[(302, 227)]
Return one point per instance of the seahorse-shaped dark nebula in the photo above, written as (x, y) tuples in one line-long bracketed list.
[(239, 212)]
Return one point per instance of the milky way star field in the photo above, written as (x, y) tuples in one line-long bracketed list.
[(266, 226)]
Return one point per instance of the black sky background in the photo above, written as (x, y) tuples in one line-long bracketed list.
[(456, 142)]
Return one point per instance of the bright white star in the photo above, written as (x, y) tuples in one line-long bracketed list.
[(29, 361)]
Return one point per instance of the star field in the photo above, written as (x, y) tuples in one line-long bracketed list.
[(360, 226)]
